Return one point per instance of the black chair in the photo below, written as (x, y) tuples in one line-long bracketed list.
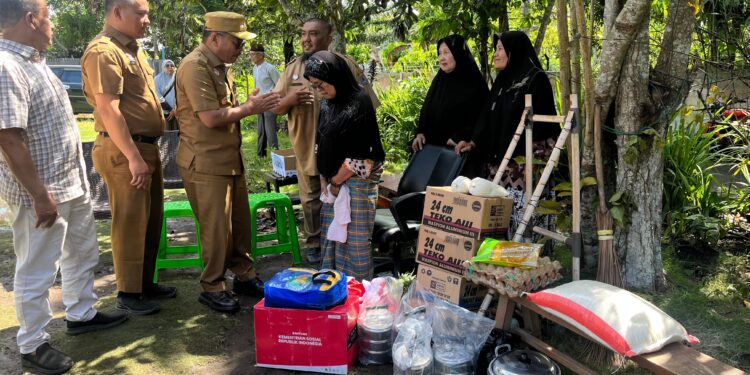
[(99, 196), (432, 166), (168, 153)]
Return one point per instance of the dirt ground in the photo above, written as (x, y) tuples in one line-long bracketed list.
[(237, 344)]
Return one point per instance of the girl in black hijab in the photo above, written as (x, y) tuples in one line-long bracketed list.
[(455, 98), (519, 73), (348, 152)]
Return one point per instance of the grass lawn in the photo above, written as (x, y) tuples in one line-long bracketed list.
[(721, 323), (86, 127)]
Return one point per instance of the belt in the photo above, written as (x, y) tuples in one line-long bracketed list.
[(136, 138)]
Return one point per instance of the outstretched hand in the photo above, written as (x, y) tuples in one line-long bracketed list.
[(262, 103)]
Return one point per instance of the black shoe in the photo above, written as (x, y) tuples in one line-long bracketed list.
[(159, 291), (314, 255), (219, 301), (252, 287), (99, 322), (136, 304), (47, 360)]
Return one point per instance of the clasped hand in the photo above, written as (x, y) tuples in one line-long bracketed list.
[(262, 103)]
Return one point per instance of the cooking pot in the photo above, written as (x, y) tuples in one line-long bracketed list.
[(375, 336), (521, 362)]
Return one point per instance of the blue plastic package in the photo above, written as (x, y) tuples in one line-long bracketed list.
[(306, 288)]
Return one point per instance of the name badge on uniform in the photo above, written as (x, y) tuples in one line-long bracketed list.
[(130, 58)]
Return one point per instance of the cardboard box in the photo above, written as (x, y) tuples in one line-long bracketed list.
[(307, 340), (284, 162), (450, 287), (445, 250), (465, 214)]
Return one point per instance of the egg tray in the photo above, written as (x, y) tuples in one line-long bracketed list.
[(513, 281)]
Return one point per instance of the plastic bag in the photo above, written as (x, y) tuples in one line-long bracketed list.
[(306, 288), (412, 353), (458, 336), (416, 304), (375, 320), (508, 253), (485, 188), (382, 292)]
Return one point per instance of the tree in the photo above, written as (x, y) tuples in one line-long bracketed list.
[(644, 101), (346, 16), (76, 23)]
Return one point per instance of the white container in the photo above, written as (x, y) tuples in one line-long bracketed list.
[(284, 162)]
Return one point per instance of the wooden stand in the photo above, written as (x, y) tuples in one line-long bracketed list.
[(572, 128), (673, 359)]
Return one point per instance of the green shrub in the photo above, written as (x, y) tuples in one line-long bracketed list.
[(739, 154), (416, 58), (387, 54), (360, 53), (398, 115), (694, 203), (244, 84)]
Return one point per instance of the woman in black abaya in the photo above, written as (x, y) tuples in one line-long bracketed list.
[(455, 98), (350, 158), (519, 73)]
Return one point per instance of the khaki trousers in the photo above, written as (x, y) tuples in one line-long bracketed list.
[(220, 204), (136, 213), (309, 196)]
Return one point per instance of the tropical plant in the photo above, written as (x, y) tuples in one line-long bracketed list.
[(416, 58), (694, 202), (392, 51), (359, 52), (739, 156), (75, 25), (398, 114)]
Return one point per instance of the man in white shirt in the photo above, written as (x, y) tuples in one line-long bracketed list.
[(43, 180), (265, 76)]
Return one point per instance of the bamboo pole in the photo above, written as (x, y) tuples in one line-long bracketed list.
[(588, 80), (575, 178), (529, 170), (564, 42), (548, 118), (511, 148)]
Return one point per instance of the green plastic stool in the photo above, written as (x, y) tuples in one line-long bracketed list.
[(286, 226), (176, 209)]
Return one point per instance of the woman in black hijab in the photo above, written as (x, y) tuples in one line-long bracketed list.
[(350, 160), (519, 72), (455, 98)]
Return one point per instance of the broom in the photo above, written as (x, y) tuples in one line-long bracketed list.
[(608, 265)]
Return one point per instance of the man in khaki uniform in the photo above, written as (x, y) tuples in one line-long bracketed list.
[(210, 159), (302, 106), (118, 83)]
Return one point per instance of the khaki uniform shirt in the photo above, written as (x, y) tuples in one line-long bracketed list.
[(204, 83), (114, 64), (303, 119)]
